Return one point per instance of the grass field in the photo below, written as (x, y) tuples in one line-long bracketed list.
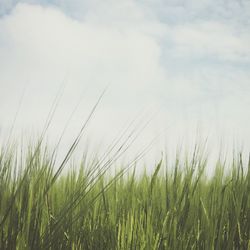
[(176, 207)]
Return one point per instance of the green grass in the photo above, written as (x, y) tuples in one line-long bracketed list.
[(177, 207)]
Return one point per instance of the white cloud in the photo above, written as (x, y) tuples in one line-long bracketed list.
[(123, 43), (42, 45), (44, 38)]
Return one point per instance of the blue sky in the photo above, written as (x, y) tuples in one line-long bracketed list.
[(189, 60)]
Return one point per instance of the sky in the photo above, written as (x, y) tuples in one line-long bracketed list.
[(183, 65)]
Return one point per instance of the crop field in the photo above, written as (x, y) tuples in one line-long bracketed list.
[(124, 125), (175, 207), (52, 202)]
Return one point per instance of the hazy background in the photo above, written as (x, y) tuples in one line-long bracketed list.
[(187, 61)]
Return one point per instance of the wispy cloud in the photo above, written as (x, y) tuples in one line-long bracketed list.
[(210, 39)]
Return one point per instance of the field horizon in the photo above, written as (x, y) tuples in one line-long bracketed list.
[(175, 207)]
